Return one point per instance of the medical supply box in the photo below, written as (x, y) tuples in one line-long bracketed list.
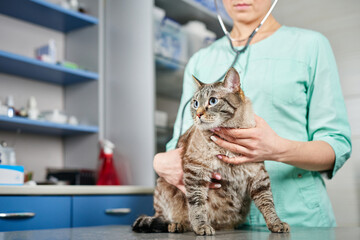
[(11, 175)]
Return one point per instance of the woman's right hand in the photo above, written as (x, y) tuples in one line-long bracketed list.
[(168, 165)]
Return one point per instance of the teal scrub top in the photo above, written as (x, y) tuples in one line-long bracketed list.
[(292, 80)]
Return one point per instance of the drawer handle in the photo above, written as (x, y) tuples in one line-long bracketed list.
[(17, 215), (118, 211)]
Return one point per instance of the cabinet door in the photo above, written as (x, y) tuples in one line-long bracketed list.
[(34, 212), (108, 210)]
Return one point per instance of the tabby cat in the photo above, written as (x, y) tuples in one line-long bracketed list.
[(202, 209)]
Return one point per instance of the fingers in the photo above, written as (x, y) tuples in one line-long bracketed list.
[(245, 142), (236, 133), (234, 160), (214, 185), (216, 176), (233, 147)]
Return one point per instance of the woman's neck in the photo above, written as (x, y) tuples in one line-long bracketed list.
[(242, 31)]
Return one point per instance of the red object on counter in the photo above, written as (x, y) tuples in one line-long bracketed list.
[(107, 174)]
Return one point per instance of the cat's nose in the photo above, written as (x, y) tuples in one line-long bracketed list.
[(199, 113)]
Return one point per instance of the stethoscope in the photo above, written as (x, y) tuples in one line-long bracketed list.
[(236, 51)]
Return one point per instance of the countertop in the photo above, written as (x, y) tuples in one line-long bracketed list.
[(124, 232), (74, 190)]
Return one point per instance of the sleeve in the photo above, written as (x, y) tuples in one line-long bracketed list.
[(183, 119), (327, 116)]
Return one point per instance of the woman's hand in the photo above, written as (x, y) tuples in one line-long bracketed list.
[(252, 145), (169, 166)]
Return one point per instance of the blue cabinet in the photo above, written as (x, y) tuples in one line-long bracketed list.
[(44, 212), (34, 212), (109, 210)]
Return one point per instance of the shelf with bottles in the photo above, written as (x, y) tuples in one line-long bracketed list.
[(44, 127), (46, 14), (184, 10), (22, 66)]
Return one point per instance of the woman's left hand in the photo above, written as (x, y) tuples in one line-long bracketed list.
[(252, 145)]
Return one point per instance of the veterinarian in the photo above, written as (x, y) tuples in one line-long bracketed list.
[(302, 131)]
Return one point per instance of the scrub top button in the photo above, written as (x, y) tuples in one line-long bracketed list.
[(299, 175)]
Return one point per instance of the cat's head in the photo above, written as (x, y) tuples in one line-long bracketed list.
[(214, 104)]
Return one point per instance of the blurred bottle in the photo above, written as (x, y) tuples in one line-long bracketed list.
[(107, 174), (198, 36), (32, 110), (10, 106), (7, 154)]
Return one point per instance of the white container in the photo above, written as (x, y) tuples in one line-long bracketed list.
[(3, 109), (169, 39), (158, 15), (47, 53), (198, 36), (7, 155), (32, 110), (73, 120), (54, 116)]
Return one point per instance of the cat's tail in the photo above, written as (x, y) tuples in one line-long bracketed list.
[(146, 224)]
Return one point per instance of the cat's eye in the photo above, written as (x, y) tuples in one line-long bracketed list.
[(195, 104), (213, 101)]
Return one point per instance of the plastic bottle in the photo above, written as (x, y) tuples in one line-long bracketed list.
[(32, 110), (197, 36), (10, 106), (7, 154), (52, 51), (107, 174), (3, 109)]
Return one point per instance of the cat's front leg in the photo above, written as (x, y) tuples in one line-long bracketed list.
[(196, 179), (260, 192)]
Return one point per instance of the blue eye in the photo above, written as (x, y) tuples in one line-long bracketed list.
[(213, 101), (195, 104)]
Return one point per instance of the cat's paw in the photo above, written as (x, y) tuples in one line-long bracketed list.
[(279, 227), (204, 230), (176, 228)]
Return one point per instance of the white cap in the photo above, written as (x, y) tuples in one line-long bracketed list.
[(195, 26), (107, 146), (159, 13)]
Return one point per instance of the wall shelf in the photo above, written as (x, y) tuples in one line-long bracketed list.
[(14, 64), (43, 127), (46, 14)]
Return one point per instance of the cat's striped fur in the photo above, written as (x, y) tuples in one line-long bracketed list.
[(202, 209)]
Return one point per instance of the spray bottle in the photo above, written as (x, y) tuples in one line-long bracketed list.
[(107, 173)]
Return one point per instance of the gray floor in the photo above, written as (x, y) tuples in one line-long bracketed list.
[(124, 232)]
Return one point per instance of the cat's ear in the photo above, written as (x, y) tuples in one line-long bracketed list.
[(232, 82), (198, 83)]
